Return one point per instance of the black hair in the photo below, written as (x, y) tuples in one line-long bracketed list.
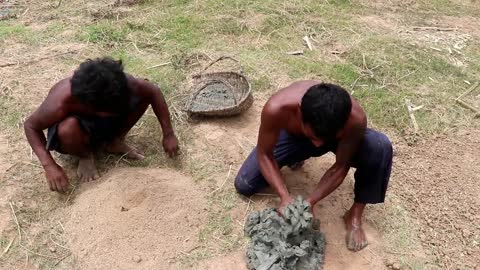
[(102, 84), (325, 108)]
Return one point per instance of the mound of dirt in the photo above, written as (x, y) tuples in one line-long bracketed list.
[(135, 219)]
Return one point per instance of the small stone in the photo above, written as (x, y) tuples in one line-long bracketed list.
[(52, 249), (123, 209), (396, 266), (137, 259), (389, 263)]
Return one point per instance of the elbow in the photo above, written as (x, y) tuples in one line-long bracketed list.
[(28, 126)]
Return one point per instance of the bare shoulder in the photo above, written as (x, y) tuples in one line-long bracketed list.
[(357, 121), (59, 95), (141, 87)]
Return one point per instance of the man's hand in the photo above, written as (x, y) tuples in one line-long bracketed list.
[(283, 203), (56, 178), (170, 145)]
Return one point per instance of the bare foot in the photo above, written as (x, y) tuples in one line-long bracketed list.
[(86, 169), (356, 239), (119, 146)]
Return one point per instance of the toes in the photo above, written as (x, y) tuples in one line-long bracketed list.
[(350, 242)]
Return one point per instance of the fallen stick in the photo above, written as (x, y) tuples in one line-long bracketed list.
[(160, 65), (309, 43), (295, 53), (16, 222), (38, 59), (412, 116), (468, 106), (417, 28), (8, 246), (475, 85), (226, 178)]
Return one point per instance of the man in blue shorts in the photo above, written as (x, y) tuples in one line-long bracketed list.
[(308, 119)]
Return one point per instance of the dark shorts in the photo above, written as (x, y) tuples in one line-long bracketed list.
[(100, 130), (373, 163)]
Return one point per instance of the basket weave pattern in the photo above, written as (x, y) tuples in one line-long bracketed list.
[(220, 94)]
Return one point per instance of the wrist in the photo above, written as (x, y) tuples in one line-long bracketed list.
[(168, 133), (49, 165), (284, 195)]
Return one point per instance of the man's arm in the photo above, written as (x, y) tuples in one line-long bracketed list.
[(160, 108), (267, 140), (346, 149), (49, 113)]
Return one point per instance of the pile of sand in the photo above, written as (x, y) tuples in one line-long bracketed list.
[(136, 219)]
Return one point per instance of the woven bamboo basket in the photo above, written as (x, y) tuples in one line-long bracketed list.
[(224, 93)]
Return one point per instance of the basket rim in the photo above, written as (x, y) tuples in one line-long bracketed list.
[(197, 87)]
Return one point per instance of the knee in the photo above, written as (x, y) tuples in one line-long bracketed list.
[(242, 186), (70, 132)]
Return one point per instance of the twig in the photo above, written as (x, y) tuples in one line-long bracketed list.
[(475, 85), (406, 75), (135, 46), (246, 212), (226, 178), (61, 259), (31, 164), (68, 199), (309, 43), (420, 28), (121, 157), (16, 222), (265, 194), (412, 116), (160, 65), (8, 246), (61, 225), (295, 53), (468, 106), (38, 59), (25, 12), (58, 4), (64, 247)]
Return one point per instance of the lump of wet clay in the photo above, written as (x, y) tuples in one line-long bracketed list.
[(284, 243)]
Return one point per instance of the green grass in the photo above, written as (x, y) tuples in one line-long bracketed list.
[(105, 33), (11, 30)]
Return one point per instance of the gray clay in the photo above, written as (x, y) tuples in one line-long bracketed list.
[(289, 243)]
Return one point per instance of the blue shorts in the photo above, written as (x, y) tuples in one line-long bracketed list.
[(373, 162)]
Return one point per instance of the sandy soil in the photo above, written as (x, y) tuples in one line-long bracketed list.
[(135, 219)]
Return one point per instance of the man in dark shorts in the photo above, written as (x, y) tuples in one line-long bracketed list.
[(308, 119), (94, 108)]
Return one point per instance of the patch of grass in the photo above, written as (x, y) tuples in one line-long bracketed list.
[(230, 26), (184, 31), (302, 68), (8, 30), (105, 32), (345, 74)]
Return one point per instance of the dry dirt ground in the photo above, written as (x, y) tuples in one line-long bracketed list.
[(185, 214)]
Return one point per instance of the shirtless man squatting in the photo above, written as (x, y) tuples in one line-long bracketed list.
[(94, 108), (308, 119)]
